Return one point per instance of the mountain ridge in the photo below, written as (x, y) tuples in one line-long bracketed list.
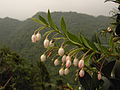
[(17, 34)]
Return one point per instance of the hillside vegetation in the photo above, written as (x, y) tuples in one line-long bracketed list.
[(16, 34)]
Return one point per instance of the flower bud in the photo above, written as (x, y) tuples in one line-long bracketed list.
[(51, 43), (68, 63), (81, 63), (43, 58), (61, 71), (66, 71), (68, 58), (81, 73), (99, 76), (38, 36), (75, 62), (61, 51), (56, 62), (64, 58), (46, 43), (109, 29), (33, 38)]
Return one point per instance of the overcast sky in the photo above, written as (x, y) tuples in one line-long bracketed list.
[(22, 9)]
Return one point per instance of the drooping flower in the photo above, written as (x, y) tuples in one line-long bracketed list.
[(51, 44), (66, 71), (56, 62), (109, 29), (68, 63), (68, 58), (75, 62), (46, 43), (64, 58), (81, 64), (33, 38), (43, 58), (99, 76), (61, 51), (82, 73), (38, 36), (61, 71)]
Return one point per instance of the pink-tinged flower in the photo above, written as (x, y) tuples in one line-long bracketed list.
[(46, 43), (81, 64), (75, 62), (82, 73), (61, 71), (99, 76), (51, 44), (68, 63), (56, 62), (38, 36), (64, 58), (61, 51), (33, 38), (43, 58), (68, 58), (66, 71)]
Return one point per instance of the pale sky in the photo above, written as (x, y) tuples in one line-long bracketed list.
[(22, 9)]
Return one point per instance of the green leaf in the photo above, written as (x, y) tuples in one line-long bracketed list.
[(111, 43), (87, 43), (63, 25), (69, 86), (51, 21), (43, 20), (74, 39), (38, 21)]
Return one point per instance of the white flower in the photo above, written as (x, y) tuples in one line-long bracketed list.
[(43, 58), (38, 36), (61, 51), (68, 63), (33, 38), (81, 73), (61, 71), (51, 43), (68, 58), (66, 71), (46, 43), (81, 63), (109, 29), (99, 76), (56, 62), (64, 58), (75, 62)]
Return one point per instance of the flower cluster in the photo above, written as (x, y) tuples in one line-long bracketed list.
[(66, 60), (63, 57), (36, 37)]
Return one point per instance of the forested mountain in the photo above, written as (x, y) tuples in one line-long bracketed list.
[(17, 34)]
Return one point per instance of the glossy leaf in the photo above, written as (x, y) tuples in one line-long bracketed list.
[(38, 21), (51, 21), (63, 25), (88, 44), (43, 20), (74, 39)]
